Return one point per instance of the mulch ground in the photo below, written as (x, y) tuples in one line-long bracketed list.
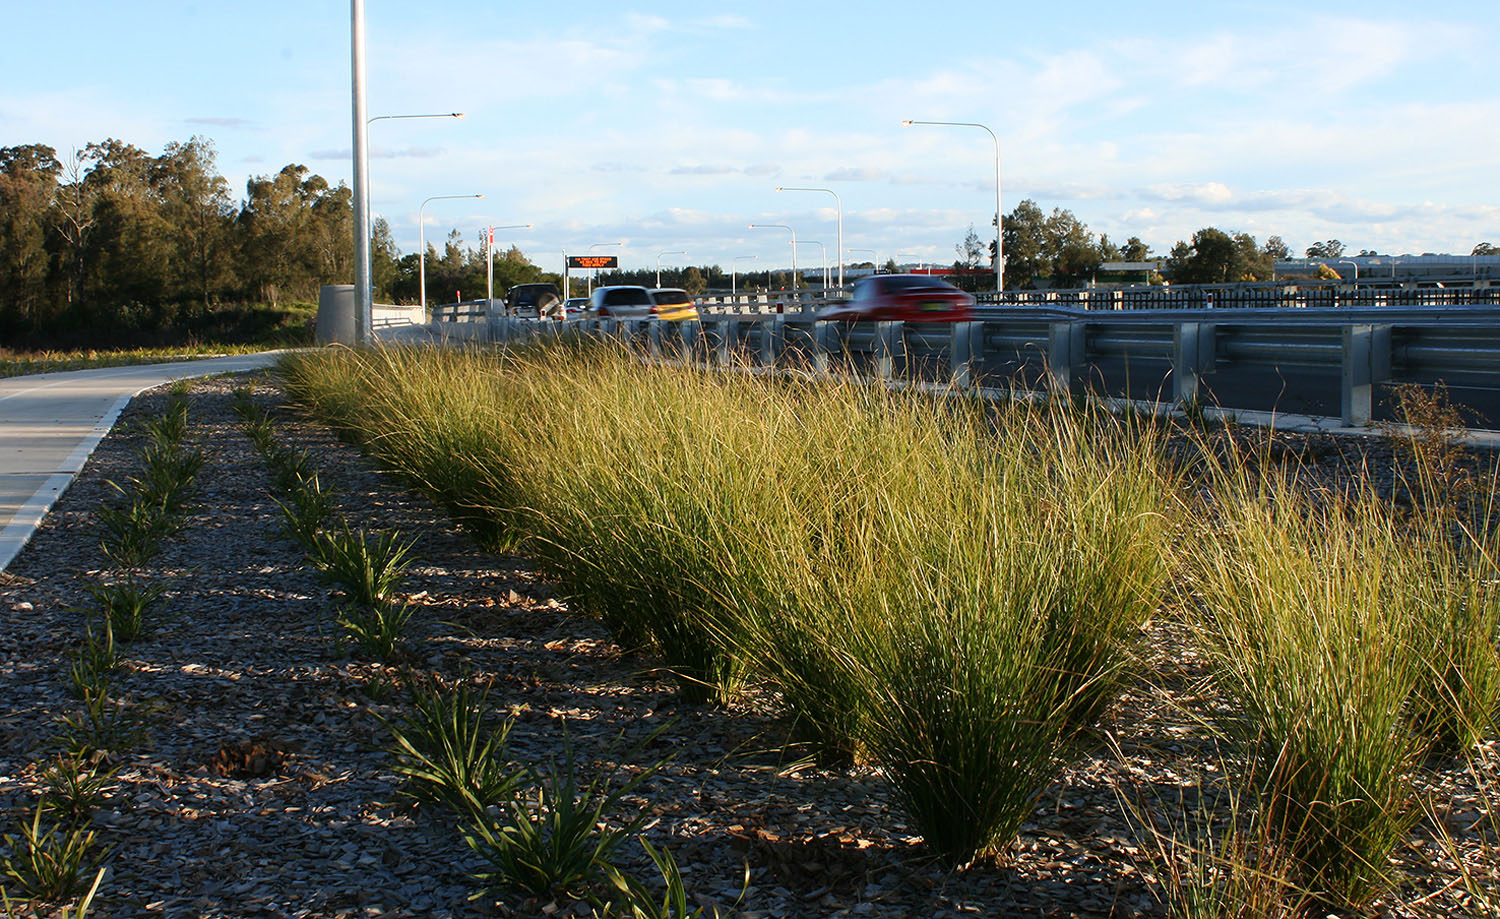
[(260, 782)]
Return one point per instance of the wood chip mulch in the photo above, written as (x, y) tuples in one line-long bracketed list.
[(260, 784)]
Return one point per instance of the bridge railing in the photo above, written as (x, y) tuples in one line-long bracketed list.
[(1318, 361)]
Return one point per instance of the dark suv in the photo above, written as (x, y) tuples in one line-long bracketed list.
[(533, 301)]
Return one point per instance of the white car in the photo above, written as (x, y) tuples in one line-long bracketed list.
[(621, 302)]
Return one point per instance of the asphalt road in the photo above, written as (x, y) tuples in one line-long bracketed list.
[(51, 422)]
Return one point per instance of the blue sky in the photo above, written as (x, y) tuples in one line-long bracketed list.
[(668, 125)]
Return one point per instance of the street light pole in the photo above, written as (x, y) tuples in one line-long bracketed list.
[(824, 249), (782, 226), (840, 242), (422, 247), (363, 301), (999, 218), (594, 273), (489, 260), (1344, 261), (874, 258), (658, 264), (361, 192), (734, 264)]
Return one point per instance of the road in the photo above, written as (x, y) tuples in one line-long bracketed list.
[(51, 422)]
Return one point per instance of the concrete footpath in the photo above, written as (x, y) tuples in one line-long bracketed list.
[(51, 422)]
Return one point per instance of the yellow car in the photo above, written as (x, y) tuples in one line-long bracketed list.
[(673, 305)]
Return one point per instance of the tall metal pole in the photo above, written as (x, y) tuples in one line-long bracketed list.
[(824, 249), (594, 274), (489, 260), (658, 264), (422, 246), (999, 218), (839, 202), (782, 226), (364, 241), (363, 296)]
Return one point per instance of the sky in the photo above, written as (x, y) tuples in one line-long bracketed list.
[(667, 126)]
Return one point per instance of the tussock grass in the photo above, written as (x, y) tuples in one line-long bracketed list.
[(944, 592)]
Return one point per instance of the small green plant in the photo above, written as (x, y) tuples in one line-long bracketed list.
[(376, 630), (1429, 435), (135, 529), (366, 568), (261, 429), (96, 661), (448, 752), (74, 786), (46, 860), (167, 430), (128, 606), (169, 477), (637, 901), (101, 726), (556, 837), (290, 467), (306, 510)]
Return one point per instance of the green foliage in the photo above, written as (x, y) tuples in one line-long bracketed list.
[(449, 753), (46, 860), (1059, 247), (128, 606), (74, 786), (306, 510), (96, 660), (377, 629), (556, 838), (135, 529), (367, 569), (101, 726), (638, 902), (1216, 257)]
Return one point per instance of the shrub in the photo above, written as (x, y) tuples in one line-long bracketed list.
[(448, 753)]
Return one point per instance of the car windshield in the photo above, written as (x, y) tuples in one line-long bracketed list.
[(626, 296), (910, 282), (671, 297)]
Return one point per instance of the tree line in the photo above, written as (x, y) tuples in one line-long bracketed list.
[(111, 244), (1061, 250)]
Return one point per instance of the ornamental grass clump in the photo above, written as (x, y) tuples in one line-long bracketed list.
[(448, 750), (1311, 618)]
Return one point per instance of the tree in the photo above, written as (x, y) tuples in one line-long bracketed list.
[(1485, 249), (970, 251), (197, 215), (1276, 248), (1024, 234), (1211, 258), (28, 182), (1072, 254), (1135, 250), (1330, 249), (693, 282)]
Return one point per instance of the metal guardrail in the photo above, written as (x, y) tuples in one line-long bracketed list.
[(1334, 358)]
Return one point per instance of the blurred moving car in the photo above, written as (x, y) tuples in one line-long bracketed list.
[(533, 301), (902, 298), (673, 305), (574, 307), (620, 302)]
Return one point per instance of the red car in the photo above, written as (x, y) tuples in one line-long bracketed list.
[(903, 298)]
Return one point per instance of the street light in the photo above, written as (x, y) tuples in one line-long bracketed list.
[(422, 246), (874, 258), (840, 202), (658, 264), (1344, 261), (999, 244), (824, 249), (911, 255), (365, 295), (595, 272), (732, 266), (781, 226), (363, 301), (489, 260)]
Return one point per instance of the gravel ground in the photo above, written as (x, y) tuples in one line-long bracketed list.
[(248, 660)]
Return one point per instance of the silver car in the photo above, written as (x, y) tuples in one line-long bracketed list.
[(622, 302)]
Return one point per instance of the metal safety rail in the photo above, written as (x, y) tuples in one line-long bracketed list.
[(1320, 361)]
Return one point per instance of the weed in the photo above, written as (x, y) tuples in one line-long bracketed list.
[(1429, 434), (306, 510), (128, 606), (448, 753), (366, 568), (45, 861)]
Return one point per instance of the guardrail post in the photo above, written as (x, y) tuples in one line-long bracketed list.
[(653, 341), (889, 345), (1193, 354), (724, 332), (1366, 363), (1065, 353), (964, 353), (772, 340), (825, 333)]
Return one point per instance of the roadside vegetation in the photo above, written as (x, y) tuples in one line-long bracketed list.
[(957, 593)]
